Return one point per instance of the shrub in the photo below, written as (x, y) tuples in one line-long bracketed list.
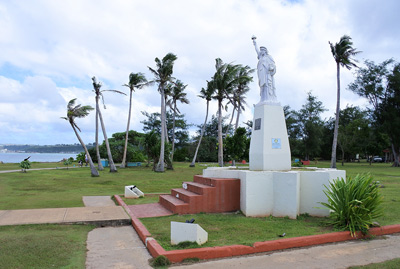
[(354, 203), (25, 165)]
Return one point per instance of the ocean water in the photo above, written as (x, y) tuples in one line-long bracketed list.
[(35, 157)]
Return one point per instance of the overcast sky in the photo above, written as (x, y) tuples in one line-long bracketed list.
[(50, 49)]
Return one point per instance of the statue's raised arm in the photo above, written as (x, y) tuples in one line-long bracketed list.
[(255, 45), (265, 70)]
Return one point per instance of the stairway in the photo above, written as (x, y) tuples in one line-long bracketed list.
[(211, 195)]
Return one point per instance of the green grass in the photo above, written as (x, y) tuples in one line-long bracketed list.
[(231, 229), (65, 188), (391, 264), (43, 246)]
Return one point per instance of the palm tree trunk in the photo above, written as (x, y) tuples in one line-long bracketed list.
[(110, 159), (160, 164), (220, 141), (127, 132), (233, 115), (165, 119), (93, 170), (336, 130), (201, 136), (173, 134), (99, 164), (395, 156), (237, 119)]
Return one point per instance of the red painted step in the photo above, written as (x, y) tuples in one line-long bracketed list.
[(204, 195)]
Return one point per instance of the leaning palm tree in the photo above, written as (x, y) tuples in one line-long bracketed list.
[(136, 81), (163, 75), (342, 52), (79, 111), (99, 93), (244, 79), (177, 94), (224, 81), (207, 95)]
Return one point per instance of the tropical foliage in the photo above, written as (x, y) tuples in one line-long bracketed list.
[(342, 52), (354, 202)]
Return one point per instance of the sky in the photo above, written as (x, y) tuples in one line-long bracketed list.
[(51, 49)]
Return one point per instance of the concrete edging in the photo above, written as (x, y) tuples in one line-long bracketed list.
[(156, 250)]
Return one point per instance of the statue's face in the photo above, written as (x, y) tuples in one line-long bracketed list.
[(263, 51)]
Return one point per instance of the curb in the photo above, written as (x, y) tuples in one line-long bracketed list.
[(156, 250)]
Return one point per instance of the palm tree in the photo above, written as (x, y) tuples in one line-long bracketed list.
[(207, 95), (79, 111), (342, 52), (244, 79), (99, 93), (177, 94), (163, 75), (224, 81), (136, 81)]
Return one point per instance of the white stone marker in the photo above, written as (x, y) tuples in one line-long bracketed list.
[(133, 192), (181, 232)]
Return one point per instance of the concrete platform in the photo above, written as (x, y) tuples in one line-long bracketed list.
[(149, 210), (100, 216), (97, 201)]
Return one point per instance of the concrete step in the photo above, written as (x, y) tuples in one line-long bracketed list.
[(174, 204), (185, 195), (199, 188), (203, 180)]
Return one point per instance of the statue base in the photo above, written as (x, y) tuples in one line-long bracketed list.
[(269, 145)]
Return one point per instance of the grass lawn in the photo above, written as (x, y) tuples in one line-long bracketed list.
[(65, 188), (43, 246), (232, 228)]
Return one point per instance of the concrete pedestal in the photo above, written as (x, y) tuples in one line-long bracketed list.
[(269, 145), (281, 194)]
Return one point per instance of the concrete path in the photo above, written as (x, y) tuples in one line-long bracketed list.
[(97, 201), (102, 216), (116, 247), (339, 255)]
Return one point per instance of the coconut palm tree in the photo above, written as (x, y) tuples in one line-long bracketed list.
[(136, 81), (99, 93), (207, 95), (79, 111), (162, 75), (342, 52), (224, 81), (177, 94), (239, 95)]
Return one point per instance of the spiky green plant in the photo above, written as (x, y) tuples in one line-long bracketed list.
[(354, 202)]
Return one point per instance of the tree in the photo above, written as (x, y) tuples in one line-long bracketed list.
[(136, 81), (99, 93), (163, 75), (79, 111), (236, 145), (207, 95), (342, 52), (177, 94), (353, 123), (25, 164), (223, 81), (381, 87), (310, 126), (239, 94)]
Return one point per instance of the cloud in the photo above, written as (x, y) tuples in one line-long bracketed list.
[(51, 49)]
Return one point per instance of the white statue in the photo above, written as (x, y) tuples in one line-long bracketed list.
[(266, 70)]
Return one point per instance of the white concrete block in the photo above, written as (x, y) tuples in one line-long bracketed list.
[(312, 190), (181, 232), (269, 145), (133, 192), (256, 193), (286, 194)]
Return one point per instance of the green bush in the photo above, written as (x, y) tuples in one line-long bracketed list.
[(25, 165), (354, 202)]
